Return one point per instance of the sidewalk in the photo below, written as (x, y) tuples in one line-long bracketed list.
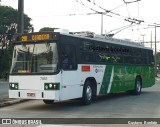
[(8, 101), (4, 81), (4, 97)]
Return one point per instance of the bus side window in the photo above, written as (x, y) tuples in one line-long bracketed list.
[(69, 57)]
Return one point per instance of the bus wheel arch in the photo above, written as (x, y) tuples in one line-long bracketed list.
[(89, 91)]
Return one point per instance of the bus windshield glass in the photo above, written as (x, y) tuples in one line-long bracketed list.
[(35, 58)]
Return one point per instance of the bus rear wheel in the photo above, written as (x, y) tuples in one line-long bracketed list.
[(87, 93), (48, 101), (138, 86)]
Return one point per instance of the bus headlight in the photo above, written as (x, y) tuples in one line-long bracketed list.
[(51, 86), (54, 86), (13, 86)]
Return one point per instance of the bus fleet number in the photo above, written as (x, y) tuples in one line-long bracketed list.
[(43, 78)]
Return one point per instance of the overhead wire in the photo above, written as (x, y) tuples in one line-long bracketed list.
[(119, 16), (105, 11), (133, 1), (128, 10), (126, 26), (113, 14), (131, 20)]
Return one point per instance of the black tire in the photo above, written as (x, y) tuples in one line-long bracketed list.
[(48, 101), (87, 93), (94, 93), (138, 86)]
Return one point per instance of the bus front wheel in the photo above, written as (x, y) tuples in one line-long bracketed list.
[(48, 101), (87, 93)]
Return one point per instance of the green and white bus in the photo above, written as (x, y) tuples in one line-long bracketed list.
[(55, 66)]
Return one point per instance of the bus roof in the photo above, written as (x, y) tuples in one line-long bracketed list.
[(106, 39), (39, 36)]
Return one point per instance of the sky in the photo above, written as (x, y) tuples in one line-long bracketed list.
[(72, 15)]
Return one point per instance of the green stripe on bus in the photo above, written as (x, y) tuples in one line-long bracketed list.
[(124, 78), (106, 79)]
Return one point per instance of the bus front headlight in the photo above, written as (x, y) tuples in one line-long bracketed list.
[(51, 86), (13, 86)]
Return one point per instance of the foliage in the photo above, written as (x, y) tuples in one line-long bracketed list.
[(47, 29), (8, 28), (8, 24), (158, 58), (5, 62)]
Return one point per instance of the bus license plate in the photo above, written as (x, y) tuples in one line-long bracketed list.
[(31, 94)]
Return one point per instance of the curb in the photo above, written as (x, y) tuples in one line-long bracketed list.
[(8, 102), (3, 82)]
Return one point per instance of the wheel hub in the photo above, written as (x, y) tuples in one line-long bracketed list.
[(89, 93)]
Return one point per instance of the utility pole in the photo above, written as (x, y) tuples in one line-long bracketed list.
[(20, 16), (155, 58), (151, 39), (102, 23), (143, 37)]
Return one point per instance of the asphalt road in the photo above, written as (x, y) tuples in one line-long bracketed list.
[(4, 90), (146, 105)]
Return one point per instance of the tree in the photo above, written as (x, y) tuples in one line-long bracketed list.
[(8, 25), (8, 28), (158, 58), (47, 29)]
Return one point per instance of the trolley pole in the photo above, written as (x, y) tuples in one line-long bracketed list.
[(20, 16)]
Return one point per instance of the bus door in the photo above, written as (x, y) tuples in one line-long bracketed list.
[(69, 71)]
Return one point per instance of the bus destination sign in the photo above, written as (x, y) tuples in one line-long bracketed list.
[(35, 37)]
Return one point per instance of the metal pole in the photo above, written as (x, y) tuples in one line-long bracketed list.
[(151, 39), (143, 38), (20, 16), (155, 58), (101, 23), (94, 2)]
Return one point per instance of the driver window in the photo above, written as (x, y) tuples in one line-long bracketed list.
[(68, 57)]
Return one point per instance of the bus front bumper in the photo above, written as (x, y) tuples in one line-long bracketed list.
[(34, 94)]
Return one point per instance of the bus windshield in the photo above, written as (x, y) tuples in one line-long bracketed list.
[(35, 58)]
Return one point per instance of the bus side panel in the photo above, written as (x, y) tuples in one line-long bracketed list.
[(73, 81), (119, 78), (148, 77), (71, 85)]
